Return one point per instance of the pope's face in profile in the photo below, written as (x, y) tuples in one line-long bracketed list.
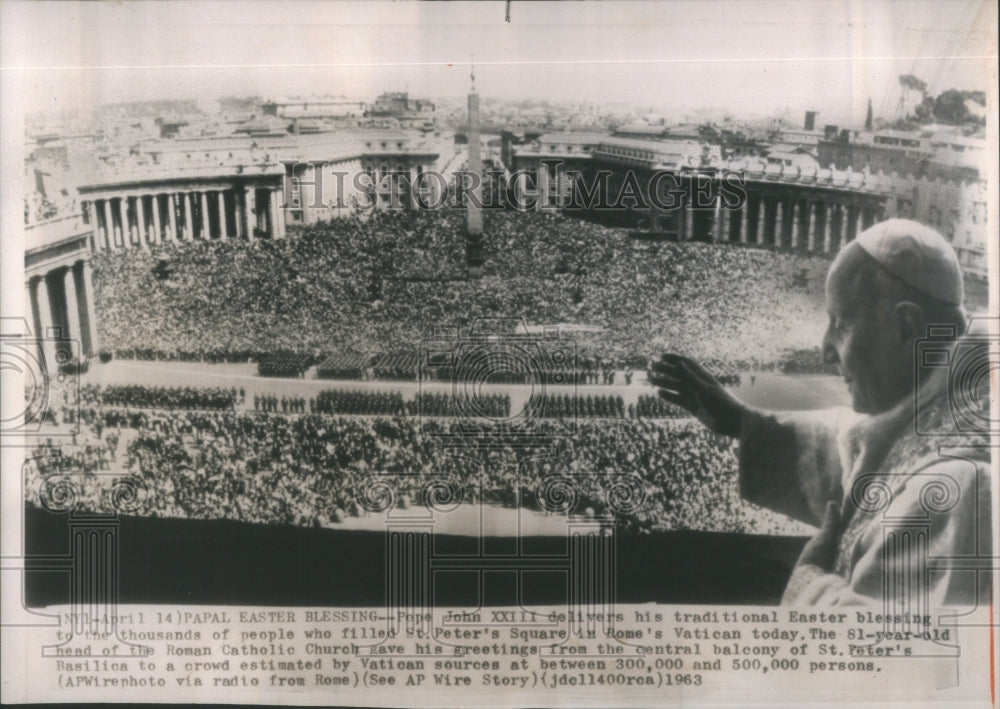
[(846, 344), (863, 340), (883, 291)]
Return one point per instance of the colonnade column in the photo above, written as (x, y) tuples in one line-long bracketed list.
[(109, 226), (410, 194), (239, 219), (845, 218), (761, 223), (91, 208), (744, 219), (272, 213), (88, 296), (157, 226), (72, 306), (811, 238), (520, 186), (779, 224), (277, 218), (717, 221), (543, 185), (123, 216), (172, 215), (280, 216), (250, 212), (828, 228), (140, 217), (795, 224), (99, 235), (154, 229), (188, 220), (73, 319), (222, 215), (41, 291), (205, 223)]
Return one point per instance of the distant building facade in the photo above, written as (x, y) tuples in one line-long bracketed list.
[(236, 187), (313, 108), (791, 201), (59, 292), (410, 112)]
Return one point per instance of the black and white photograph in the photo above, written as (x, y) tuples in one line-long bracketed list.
[(601, 353)]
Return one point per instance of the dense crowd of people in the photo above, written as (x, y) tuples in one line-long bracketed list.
[(284, 364), (566, 406), (408, 366), (397, 366), (386, 282), (493, 406), (375, 288), (346, 365), (315, 469), (360, 402), (284, 403), (159, 397), (651, 406)]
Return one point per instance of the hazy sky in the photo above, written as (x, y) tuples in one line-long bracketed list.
[(751, 58)]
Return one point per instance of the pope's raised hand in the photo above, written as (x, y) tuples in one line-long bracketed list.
[(687, 384)]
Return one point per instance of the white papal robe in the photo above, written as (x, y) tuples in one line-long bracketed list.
[(914, 490)]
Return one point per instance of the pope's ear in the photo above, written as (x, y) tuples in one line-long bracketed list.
[(910, 322)]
